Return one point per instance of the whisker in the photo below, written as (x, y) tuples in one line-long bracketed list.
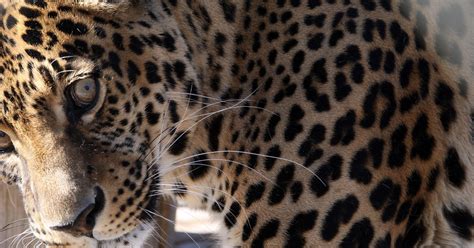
[(204, 118), (254, 154), (219, 160), (62, 57)]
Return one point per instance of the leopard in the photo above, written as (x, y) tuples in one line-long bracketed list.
[(293, 123)]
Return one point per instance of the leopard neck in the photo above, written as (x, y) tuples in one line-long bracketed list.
[(211, 35)]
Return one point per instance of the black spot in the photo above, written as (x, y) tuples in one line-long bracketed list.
[(415, 229), (72, 28), (219, 205), (360, 235), (350, 55), (133, 72), (315, 42), (47, 77), (423, 142), (358, 73), (38, 3), (340, 213), (405, 72), (399, 36), (100, 32), (136, 45), (414, 183), (294, 127), (376, 147), (368, 33), (461, 221), (343, 132), (152, 117), (445, 100), (368, 4), (179, 69), (271, 127), (33, 37), (118, 41), (296, 191), (152, 73), (11, 21), (254, 193), (318, 71), (290, 44), (273, 153), (215, 128), (331, 170), (35, 54), (229, 10), (392, 204), (168, 71), (309, 148), (403, 212), (267, 231), (230, 218), (178, 146), (300, 224), (298, 60), (283, 180), (375, 59), (167, 41), (359, 170), (425, 75), (389, 65), (248, 227), (396, 157), (342, 88), (114, 61), (30, 13), (336, 36), (386, 4), (317, 20), (454, 169), (199, 166), (408, 102), (380, 194)]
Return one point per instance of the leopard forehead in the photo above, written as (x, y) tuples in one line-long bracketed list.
[(296, 123)]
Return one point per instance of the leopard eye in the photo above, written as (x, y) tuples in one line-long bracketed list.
[(84, 93), (6, 144)]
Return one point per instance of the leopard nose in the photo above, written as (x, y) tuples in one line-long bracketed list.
[(85, 221)]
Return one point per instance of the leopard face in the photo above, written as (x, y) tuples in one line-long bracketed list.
[(83, 97)]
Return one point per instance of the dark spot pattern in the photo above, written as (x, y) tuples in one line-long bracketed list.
[(340, 213), (301, 223)]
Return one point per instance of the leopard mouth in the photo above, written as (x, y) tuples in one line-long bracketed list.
[(148, 212), (94, 239)]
